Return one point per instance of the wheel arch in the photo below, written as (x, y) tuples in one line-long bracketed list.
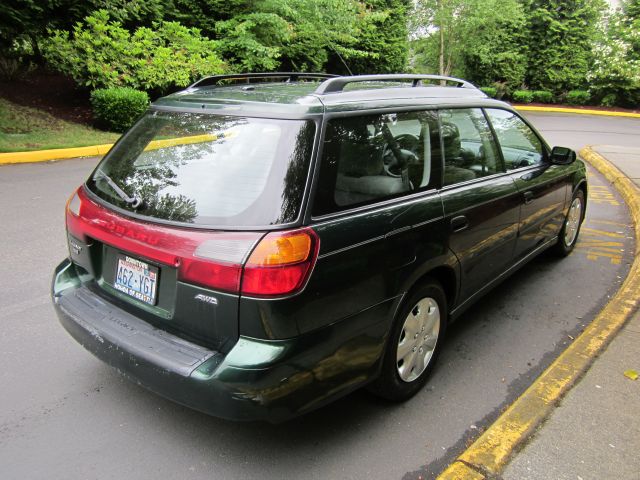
[(582, 185), (447, 277)]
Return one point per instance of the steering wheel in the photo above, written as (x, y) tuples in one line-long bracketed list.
[(406, 144)]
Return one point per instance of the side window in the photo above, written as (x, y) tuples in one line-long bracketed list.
[(469, 148), (375, 157), (520, 146)]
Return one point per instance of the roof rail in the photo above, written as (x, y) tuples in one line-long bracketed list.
[(337, 84), (290, 77)]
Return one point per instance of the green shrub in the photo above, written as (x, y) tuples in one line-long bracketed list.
[(522, 96), (490, 91), (117, 108), (609, 100), (542, 96), (503, 90), (578, 97), (100, 54)]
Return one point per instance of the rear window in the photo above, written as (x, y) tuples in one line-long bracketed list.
[(209, 169)]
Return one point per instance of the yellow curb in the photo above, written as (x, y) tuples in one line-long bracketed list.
[(488, 455), (579, 111), (54, 154), (458, 471), (97, 150)]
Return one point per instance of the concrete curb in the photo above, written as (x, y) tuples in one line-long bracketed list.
[(99, 150), (488, 455), (580, 111), (54, 154)]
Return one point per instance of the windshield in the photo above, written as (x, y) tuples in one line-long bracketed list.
[(209, 170)]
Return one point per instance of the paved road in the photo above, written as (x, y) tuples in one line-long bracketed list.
[(63, 414)]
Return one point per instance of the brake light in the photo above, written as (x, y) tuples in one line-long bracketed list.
[(281, 263)]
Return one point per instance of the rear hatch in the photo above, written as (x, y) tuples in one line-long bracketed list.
[(165, 225)]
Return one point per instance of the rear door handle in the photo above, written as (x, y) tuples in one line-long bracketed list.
[(528, 197), (459, 223)]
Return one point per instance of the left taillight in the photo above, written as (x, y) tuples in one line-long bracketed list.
[(280, 264)]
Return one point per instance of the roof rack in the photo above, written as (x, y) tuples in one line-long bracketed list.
[(337, 84), (247, 77)]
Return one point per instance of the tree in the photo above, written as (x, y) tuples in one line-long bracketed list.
[(30, 20), (614, 77), (102, 53), (205, 14), (299, 35), (382, 32), (476, 39), (560, 35)]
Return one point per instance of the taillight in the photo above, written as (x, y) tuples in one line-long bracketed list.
[(281, 263), (217, 262), (73, 204)]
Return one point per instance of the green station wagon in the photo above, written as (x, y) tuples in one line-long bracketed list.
[(258, 245)]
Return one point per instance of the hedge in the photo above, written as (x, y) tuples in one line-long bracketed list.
[(117, 108)]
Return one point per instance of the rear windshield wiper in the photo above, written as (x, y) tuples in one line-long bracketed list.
[(134, 201)]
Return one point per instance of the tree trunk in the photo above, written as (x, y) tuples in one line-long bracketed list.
[(441, 70)]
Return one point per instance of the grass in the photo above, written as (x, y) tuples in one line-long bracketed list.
[(25, 129)]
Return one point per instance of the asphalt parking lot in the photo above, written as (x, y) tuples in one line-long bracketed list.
[(64, 414)]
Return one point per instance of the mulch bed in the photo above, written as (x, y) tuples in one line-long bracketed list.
[(51, 92)]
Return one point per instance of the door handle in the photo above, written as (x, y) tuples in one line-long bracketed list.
[(459, 223), (528, 197)]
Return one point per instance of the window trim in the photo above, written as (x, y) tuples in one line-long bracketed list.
[(370, 207)]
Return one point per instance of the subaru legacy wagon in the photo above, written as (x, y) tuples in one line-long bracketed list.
[(258, 245)]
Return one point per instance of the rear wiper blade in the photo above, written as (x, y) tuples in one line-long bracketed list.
[(134, 201)]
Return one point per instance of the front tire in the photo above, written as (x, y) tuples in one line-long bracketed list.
[(571, 227), (414, 343)]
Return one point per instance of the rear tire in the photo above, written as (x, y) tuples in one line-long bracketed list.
[(568, 236), (414, 343)]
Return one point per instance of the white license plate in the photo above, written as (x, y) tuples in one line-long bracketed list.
[(137, 279)]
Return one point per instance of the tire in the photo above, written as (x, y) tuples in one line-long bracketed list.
[(570, 230), (414, 343)]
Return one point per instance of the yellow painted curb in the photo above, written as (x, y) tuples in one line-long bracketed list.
[(579, 111), (98, 150), (488, 455), (54, 154), (458, 471)]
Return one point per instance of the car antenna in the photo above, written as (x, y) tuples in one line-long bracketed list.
[(341, 59)]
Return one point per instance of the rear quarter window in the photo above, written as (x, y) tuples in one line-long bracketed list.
[(370, 158)]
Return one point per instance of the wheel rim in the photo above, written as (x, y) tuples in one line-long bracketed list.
[(573, 222), (418, 339)]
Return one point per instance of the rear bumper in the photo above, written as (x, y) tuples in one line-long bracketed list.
[(255, 380)]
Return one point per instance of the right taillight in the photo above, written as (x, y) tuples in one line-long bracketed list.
[(280, 264)]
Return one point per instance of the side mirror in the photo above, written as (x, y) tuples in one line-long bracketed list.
[(562, 156)]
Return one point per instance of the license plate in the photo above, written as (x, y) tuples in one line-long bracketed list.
[(137, 279)]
